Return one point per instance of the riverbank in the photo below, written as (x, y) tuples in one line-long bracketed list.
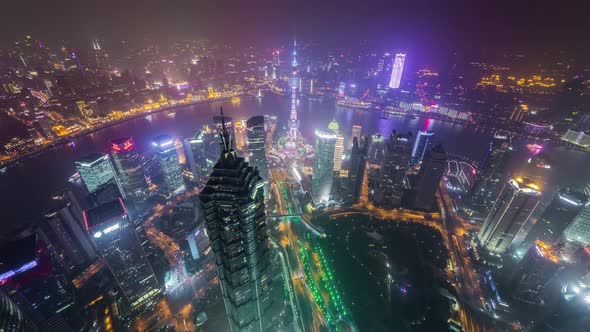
[(62, 141)]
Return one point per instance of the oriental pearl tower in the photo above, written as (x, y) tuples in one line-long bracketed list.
[(294, 134)]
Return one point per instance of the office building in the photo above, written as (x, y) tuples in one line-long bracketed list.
[(492, 173), (431, 172), (196, 154), (323, 165), (169, 164), (96, 170), (338, 146), (356, 173), (562, 210), (397, 70), (356, 133), (241, 136), (295, 84), (114, 235), (578, 231), (233, 207), (129, 167), (534, 272), (422, 144), (396, 162), (257, 145), (63, 234), (26, 278), (511, 210), (12, 318)]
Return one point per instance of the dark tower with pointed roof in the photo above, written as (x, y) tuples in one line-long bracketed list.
[(233, 205)]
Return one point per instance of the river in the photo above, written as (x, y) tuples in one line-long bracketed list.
[(25, 189)]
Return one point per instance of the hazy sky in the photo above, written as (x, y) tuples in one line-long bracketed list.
[(522, 24)]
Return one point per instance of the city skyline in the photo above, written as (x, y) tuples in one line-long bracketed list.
[(294, 167)]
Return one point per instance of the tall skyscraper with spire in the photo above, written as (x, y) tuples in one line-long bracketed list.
[(233, 205), (294, 134)]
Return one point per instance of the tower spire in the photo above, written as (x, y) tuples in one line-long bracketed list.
[(225, 137)]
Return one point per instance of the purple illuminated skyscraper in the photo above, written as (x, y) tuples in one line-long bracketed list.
[(397, 70)]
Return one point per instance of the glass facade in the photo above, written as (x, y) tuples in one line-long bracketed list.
[(513, 207), (169, 164), (114, 236), (323, 165), (97, 170), (129, 167)]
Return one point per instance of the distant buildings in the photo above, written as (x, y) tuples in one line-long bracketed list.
[(323, 165), (97, 170), (356, 133), (512, 208), (562, 210), (397, 70), (422, 144), (395, 164), (129, 167), (169, 164), (431, 172), (114, 235), (233, 206)]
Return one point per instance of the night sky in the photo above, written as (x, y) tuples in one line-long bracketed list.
[(520, 25)]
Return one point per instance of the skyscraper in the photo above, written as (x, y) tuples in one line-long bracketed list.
[(96, 170), (294, 82), (233, 206), (339, 146), (168, 161), (431, 172), (114, 236), (129, 168), (356, 132), (397, 70), (395, 164), (562, 210), (196, 153), (241, 132), (63, 234), (492, 172), (358, 164), (257, 145), (513, 207), (578, 230), (533, 273), (323, 165), (421, 145)]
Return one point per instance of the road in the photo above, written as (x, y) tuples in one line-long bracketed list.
[(467, 285), (289, 239)]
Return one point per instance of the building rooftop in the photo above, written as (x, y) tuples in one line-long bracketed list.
[(91, 158), (546, 251), (104, 213), (526, 185)]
